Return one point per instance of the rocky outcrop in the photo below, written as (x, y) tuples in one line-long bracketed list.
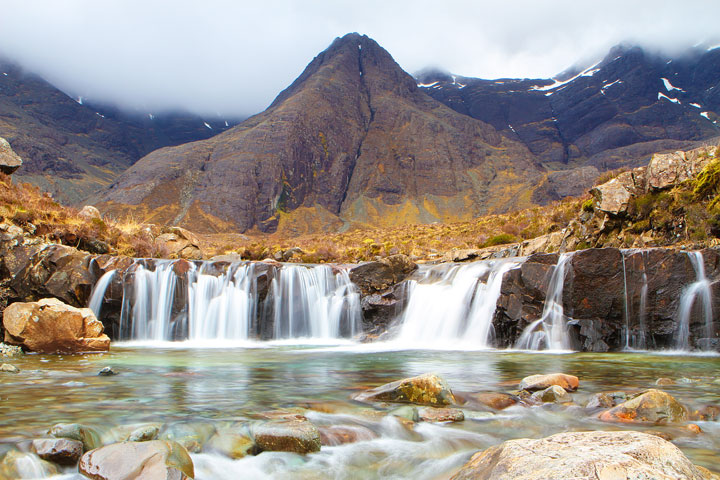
[(428, 389), (50, 326), (9, 160), (581, 455), (138, 461)]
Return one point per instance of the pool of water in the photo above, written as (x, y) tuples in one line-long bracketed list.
[(169, 383)]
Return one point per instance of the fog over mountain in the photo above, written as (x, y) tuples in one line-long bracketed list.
[(232, 58)]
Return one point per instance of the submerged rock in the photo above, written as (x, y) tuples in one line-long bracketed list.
[(651, 406), (191, 435), (16, 464), (232, 445), (428, 389), (50, 326), (342, 434), (583, 455), (606, 399), (88, 436), (62, 451), (433, 414), (107, 372), (292, 435), (138, 461), (496, 401), (145, 433), (541, 382)]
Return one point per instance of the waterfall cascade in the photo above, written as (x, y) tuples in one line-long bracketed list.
[(301, 302), (700, 288)]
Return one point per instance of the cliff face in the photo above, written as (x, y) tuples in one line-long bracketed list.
[(352, 140)]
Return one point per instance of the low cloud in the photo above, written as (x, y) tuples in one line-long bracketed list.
[(232, 58)]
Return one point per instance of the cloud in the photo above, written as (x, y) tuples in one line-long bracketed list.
[(232, 58)]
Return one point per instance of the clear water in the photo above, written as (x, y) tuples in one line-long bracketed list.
[(171, 382)]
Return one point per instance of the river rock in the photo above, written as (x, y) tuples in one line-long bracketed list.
[(138, 461), (341, 434), (583, 455), (62, 451), (434, 414), (651, 406), (88, 436), (232, 445), (372, 277), (606, 400), (179, 243), (427, 389), (9, 160), (664, 381), (298, 436), (191, 435), (8, 368), (541, 382), (494, 400), (16, 464), (50, 326), (707, 413), (144, 433), (552, 394)]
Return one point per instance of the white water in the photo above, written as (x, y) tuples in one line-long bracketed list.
[(700, 288), (98, 293), (451, 305), (550, 330), (303, 302)]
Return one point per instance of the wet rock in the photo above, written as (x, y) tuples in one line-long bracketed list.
[(10, 350), (8, 368), (179, 243), (582, 455), (298, 436), (232, 445), (541, 382), (373, 277), (191, 435), (138, 461), (651, 406), (17, 464), (89, 212), (552, 394), (88, 436), (606, 399), (9, 160), (50, 326), (107, 372), (707, 413), (342, 434), (62, 451), (496, 401), (428, 389), (664, 381), (691, 427), (410, 413), (433, 414), (145, 433)]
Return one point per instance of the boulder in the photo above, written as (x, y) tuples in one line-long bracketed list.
[(138, 461), (614, 196), (541, 382), (291, 435), (341, 434), (372, 277), (62, 451), (88, 436), (552, 394), (583, 455), (434, 414), (179, 243), (427, 389), (50, 326), (651, 406), (90, 212), (9, 160), (668, 169)]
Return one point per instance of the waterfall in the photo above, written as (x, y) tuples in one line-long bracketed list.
[(699, 288), (451, 304), (302, 302), (98, 293), (626, 331), (550, 330), (641, 342)]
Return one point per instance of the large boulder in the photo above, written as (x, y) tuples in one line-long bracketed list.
[(427, 389), (372, 277), (179, 243), (152, 460), (50, 326), (668, 169), (651, 406), (295, 435), (9, 160), (614, 195), (583, 455)]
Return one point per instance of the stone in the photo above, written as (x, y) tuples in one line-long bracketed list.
[(88, 436), (606, 400), (292, 435), (664, 381), (707, 413), (668, 169), (90, 212), (62, 451), (341, 434), (441, 415), (541, 382), (10, 350), (50, 326), (191, 435), (107, 372), (8, 368), (583, 455), (613, 196), (179, 243), (651, 406), (694, 428), (15, 464), (552, 394), (406, 412), (494, 400), (373, 277), (427, 389), (152, 460), (9, 160), (144, 433), (231, 445)]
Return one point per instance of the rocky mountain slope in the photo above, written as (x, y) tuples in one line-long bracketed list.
[(71, 148), (612, 114), (352, 140)]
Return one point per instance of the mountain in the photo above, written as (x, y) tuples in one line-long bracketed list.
[(613, 114), (352, 141), (72, 148)]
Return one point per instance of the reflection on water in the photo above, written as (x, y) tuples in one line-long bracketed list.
[(172, 384)]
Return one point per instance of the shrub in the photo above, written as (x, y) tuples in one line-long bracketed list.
[(588, 205), (502, 239)]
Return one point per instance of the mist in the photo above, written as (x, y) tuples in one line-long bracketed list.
[(229, 58)]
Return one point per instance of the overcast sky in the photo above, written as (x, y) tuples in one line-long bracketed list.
[(234, 56)]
